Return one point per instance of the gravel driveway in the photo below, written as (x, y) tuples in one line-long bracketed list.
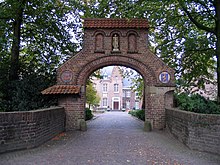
[(113, 138)]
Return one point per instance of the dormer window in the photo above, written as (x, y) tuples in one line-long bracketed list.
[(105, 76)]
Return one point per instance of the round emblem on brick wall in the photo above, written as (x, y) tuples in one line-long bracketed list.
[(164, 77), (66, 76)]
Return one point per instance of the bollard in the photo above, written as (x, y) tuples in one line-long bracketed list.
[(147, 126), (83, 125)]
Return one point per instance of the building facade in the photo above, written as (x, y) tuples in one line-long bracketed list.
[(130, 99), (113, 93)]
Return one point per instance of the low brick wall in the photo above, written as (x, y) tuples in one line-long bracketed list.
[(197, 131), (20, 130)]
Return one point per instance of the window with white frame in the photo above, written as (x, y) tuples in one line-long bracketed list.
[(115, 87), (104, 102), (137, 105), (128, 104), (105, 87), (128, 93)]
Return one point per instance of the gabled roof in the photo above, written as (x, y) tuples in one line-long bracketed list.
[(115, 23), (61, 89)]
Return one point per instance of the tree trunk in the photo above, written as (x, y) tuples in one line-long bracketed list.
[(218, 65), (14, 66), (217, 31)]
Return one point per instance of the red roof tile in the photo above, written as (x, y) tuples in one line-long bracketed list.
[(61, 89), (115, 23)]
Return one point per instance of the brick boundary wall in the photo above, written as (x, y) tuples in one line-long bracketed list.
[(28, 129), (197, 131)]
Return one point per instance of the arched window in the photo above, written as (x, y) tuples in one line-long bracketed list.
[(132, 43), (99, 42)]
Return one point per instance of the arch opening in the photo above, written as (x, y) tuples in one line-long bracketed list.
[(145, 71), (116, 88), (116, 92)]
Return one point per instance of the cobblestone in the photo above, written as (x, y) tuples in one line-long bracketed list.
[(113, 138)]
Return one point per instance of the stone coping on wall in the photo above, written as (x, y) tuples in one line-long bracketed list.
[(189, 116), (37, 110), (197, 131)]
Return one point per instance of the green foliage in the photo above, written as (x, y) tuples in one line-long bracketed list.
[(25, 94), (45, 42), (46, 38), (89, 114), (140, 114), (92, 97), (196, 103)]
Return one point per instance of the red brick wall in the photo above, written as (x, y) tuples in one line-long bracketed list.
[(21, 130), (197, 131), (137, 57)]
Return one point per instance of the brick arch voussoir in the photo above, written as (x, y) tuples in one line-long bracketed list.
[(147, 73), (132, 32), (99, 32)]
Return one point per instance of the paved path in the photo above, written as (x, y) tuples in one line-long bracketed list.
[(113, 138)]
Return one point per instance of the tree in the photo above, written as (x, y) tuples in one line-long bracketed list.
[(92, 97), (205, 15), (35, 37)]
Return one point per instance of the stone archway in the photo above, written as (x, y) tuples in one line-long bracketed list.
[(113, 42)]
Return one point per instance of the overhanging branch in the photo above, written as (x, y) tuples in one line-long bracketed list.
[(198, 24)]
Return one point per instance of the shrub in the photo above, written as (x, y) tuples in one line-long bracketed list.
[(25, 94), (89, 114), (196, 103), (140, 114)]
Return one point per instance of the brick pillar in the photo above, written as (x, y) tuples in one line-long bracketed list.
[(155, 105), (74, 109)]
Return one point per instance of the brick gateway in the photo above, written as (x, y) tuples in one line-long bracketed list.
[(114, 42)]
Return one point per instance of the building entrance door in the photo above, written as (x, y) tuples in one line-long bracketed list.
[(116, 105)]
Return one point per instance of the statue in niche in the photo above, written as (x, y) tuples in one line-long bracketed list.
[(115, 43)]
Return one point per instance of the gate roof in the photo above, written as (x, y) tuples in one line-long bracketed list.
[(61, 89), (115, 23)]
